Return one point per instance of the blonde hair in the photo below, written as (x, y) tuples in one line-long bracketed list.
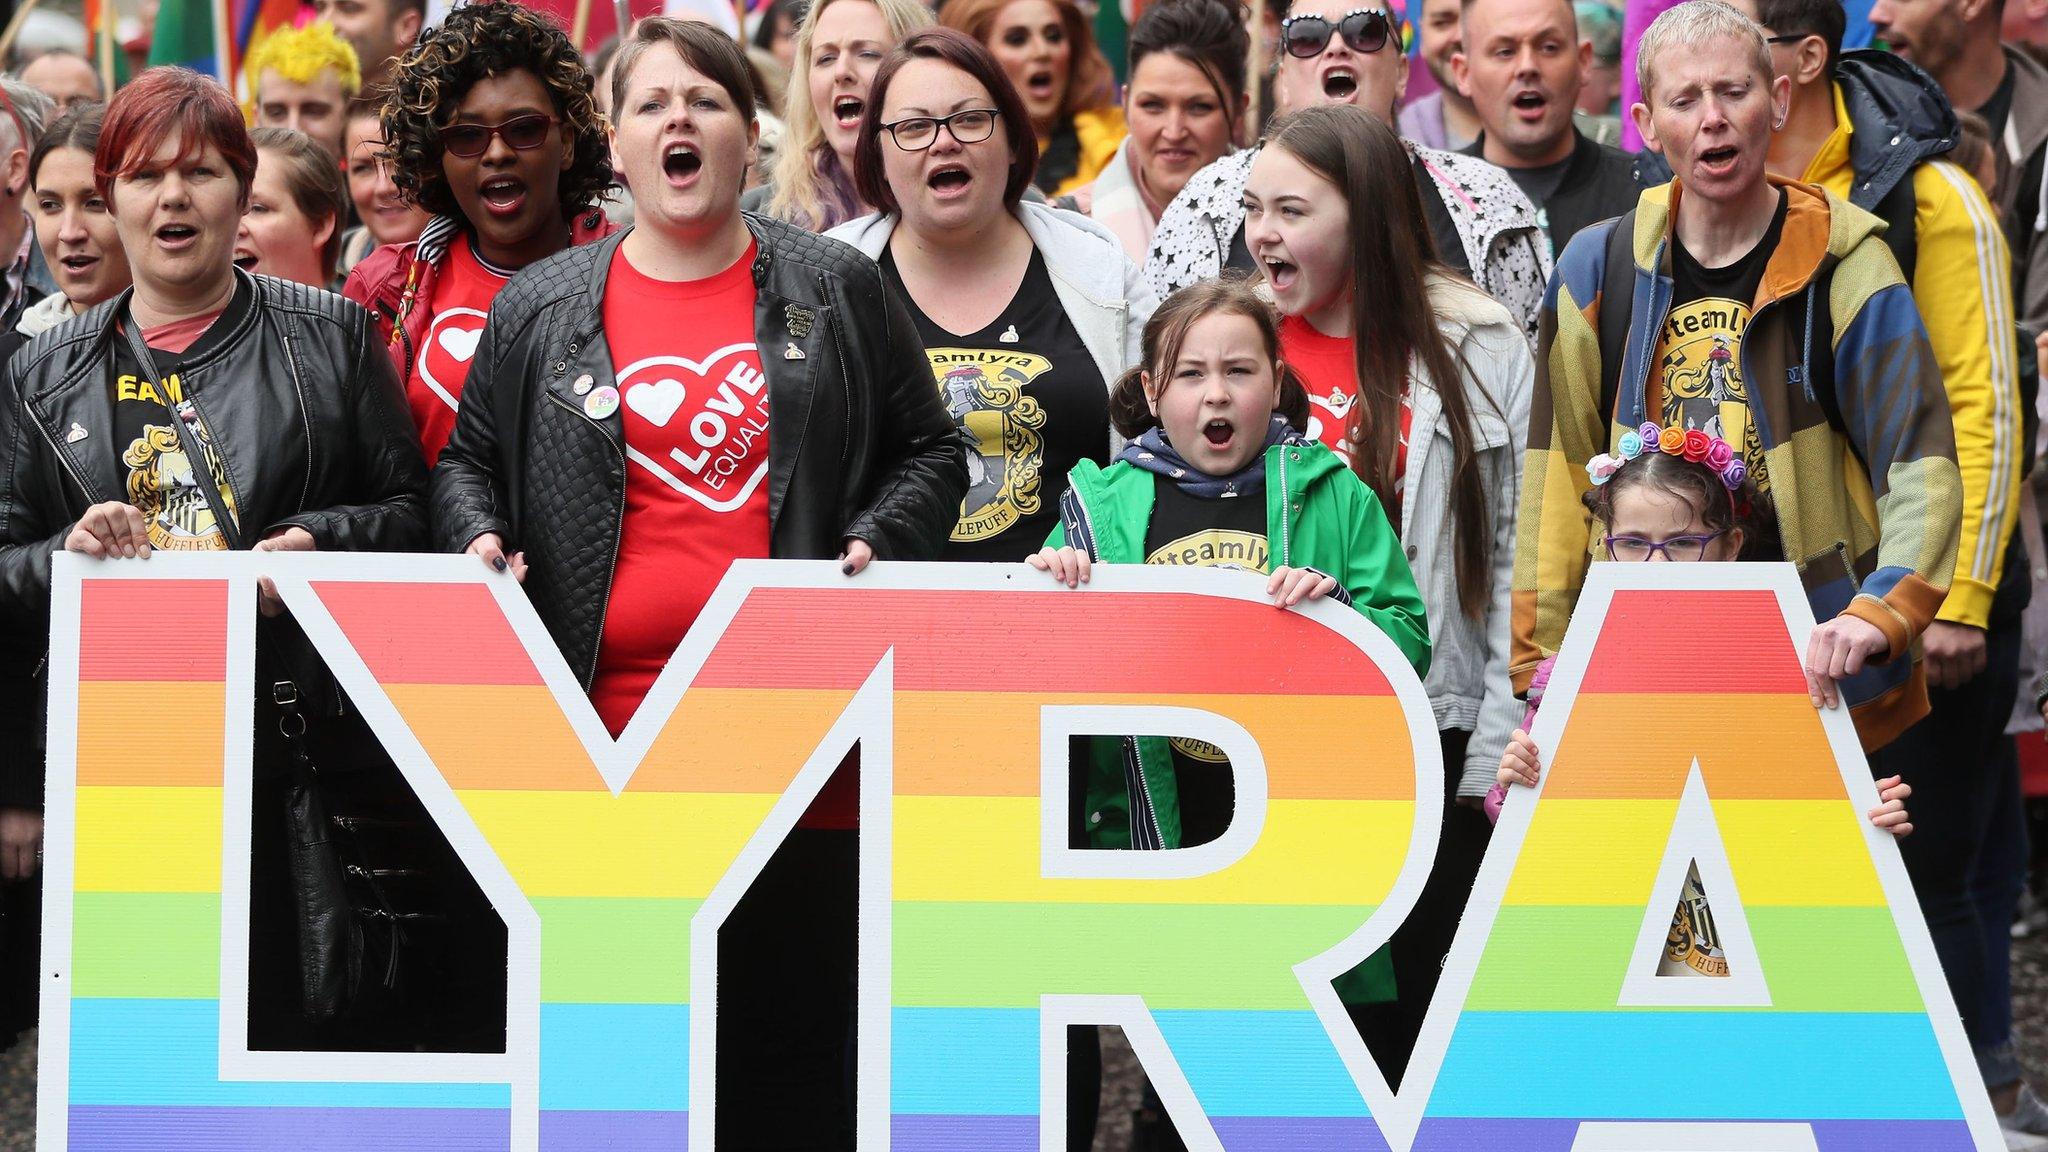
[(1690, 25), (804, 151), (299, 54)]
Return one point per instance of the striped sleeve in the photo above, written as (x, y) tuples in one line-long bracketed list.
[(1962, 282)]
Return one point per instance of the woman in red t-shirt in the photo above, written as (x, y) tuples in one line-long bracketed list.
[(1424, 383), (708, 386), (511, 181)]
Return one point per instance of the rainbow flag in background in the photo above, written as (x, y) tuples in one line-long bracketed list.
[(215, 36), (103, 45)]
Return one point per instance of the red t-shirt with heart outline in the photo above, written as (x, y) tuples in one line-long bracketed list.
[(694, 405), (463, 292)]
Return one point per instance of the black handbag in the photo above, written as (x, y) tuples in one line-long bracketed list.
[(345, 924)]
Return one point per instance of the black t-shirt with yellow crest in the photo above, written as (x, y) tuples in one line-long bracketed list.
[(1209, 533), (158, 477)]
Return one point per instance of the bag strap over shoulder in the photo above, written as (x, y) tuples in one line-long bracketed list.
[(1617, 286)]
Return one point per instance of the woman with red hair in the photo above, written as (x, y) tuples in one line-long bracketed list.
[(209, 409)]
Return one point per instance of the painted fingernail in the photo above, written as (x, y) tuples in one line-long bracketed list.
[(847, 568), (498, 562)]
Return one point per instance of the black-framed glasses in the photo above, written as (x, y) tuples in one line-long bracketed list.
[(1792, 38), (968, 126), (1365, 30), (520, 133), (1640, 548)]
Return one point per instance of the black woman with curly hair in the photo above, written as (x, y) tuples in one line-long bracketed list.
[(491, 127)]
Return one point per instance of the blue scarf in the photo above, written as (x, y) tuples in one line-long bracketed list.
[(1153, 454)]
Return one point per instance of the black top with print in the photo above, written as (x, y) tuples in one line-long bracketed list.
[(159, 479), (1034, 405), (1211, 533)]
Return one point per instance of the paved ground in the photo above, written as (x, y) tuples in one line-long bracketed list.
[(1120, 1071)]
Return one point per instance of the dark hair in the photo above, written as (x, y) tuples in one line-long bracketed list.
[(1822, 18), (78, 128), (970, 56), (366, 105), (314, 181), (1701, 489), (702, 47), (790, 10), (1090, 83), (164, 102), (1393, 257), (1208, 34), (1232, 294), (477, 41)]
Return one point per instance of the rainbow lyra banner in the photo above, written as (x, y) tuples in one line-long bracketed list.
[(982, 934)]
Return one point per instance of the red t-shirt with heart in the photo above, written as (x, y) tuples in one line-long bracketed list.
[(1328, 368), (694, 403), (463, 292)]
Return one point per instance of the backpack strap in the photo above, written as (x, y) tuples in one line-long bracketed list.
[(1898, 209), (1617, 279)]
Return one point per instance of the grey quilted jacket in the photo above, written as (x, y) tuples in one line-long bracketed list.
[(859, 444)]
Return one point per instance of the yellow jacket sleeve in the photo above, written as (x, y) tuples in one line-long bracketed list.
[(1962, 281), (1552, 531)]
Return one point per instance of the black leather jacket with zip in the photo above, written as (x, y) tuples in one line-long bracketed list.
[(302, 405), (859, 444)]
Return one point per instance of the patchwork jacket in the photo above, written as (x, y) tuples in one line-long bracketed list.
[(1869, 515)]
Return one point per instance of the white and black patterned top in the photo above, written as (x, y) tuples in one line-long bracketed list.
[(1502, 237)]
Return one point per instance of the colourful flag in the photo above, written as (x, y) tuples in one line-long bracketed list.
[(104, 43), (189, 33), (215, 36), (256, 19)]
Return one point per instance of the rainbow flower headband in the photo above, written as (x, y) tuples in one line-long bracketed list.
[(1692, 444)]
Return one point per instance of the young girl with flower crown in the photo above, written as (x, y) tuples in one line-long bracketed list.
[(1674, 495)]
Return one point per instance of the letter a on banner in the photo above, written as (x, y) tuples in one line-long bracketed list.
[(1677, 730), (614, 862)]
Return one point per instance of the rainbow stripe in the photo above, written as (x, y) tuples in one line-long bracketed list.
[(982, 934), (613, 864), (1858, 1038)]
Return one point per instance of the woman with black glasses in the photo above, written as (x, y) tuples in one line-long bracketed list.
[(1028, 313), (491, 127)]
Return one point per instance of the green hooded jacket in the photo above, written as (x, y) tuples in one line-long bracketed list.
[(1318, 515)]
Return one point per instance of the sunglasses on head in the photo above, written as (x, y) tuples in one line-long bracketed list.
[(1365, 30), (521, 133)]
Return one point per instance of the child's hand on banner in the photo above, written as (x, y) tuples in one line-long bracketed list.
[(1068, 565)]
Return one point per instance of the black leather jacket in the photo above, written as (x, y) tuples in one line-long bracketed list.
[(859, 444), (301, 402)]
